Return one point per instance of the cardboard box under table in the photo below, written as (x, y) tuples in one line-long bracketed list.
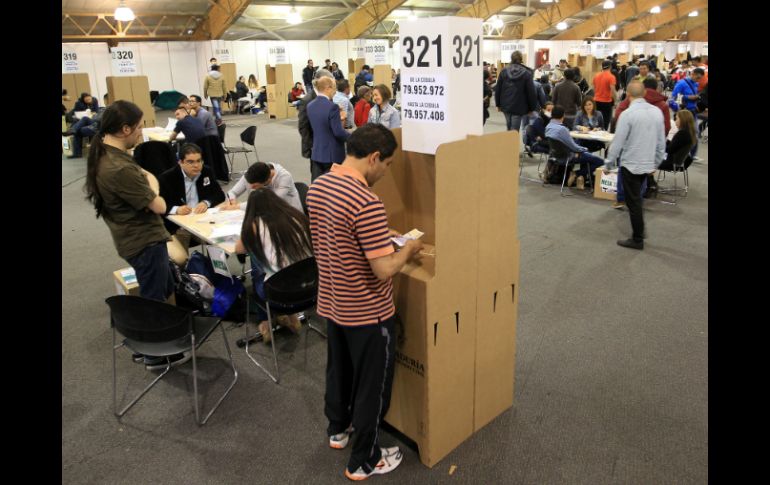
[(125, 282), (455, 349), (606, 186)]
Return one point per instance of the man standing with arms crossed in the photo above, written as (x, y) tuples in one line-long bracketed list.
[(639, 135), (356, 261)]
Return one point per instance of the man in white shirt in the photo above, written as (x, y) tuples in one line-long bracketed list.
[(270, 175)]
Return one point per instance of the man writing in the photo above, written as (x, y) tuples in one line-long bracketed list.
[(356, 261), (641, 145), (269, 175)]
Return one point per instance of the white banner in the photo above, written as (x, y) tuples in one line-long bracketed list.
[(376, 52), (621, 48), (600, 49), (682, 48), (357, 48), (705, 50), (656, 48), (124, 61), (277, 53), (584, 49), (223, 55), (609, 182), (69, 61), (638, 49), (508, 48)]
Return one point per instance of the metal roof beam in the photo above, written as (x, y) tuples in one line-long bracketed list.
[(666, 15), (369, 14)]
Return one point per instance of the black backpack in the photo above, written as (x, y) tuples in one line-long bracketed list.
[(187, 291)]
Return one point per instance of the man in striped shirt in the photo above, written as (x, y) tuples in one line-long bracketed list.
[(356, 260)]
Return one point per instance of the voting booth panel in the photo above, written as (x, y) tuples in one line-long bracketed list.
[(135, 89), (76, 84), (354, 67), (279, 84), (436, 384), (383, 75)]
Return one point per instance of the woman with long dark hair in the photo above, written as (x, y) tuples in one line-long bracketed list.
[(126, 197), (275, 235)]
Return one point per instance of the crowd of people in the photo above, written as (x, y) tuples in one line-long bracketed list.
[(546, 104)]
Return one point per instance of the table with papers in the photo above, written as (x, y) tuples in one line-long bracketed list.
[(215, 227), (599, 135), (159, 133)]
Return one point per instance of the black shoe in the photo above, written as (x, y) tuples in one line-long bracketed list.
[(630, 243)]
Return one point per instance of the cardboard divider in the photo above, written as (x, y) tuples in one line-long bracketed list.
[(466, 192), (280, 82), (382, 75), (76, 84), (135, 89)]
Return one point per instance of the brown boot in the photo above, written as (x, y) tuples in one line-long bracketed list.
[(293, 323), (571, 179)]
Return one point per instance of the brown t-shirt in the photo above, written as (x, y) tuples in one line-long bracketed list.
[(126, 195)]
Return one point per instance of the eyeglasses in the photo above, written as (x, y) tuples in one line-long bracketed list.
[(193, 162)]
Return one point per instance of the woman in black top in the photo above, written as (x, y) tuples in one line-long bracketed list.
[(684, 138)]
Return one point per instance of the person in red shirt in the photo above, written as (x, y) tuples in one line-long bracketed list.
[(297, 92), (363, 105), (604, 92)]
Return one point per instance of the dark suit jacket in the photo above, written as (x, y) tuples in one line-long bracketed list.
[(305, 130), (172, 190), (328, 135)]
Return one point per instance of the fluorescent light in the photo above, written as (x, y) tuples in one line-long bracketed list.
[(612, 28), (655, 9), (609, 4), (694, 13), (651, 31), (294, 17), (496, 22), (123, 13), (684, 33), (561, 26), (546, 1)]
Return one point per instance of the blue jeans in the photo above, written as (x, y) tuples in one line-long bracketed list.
[(216, 104), (152, 272), (587, 160), (83, 128)]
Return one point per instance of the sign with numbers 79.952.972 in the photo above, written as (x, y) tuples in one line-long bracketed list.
[(426, 52)]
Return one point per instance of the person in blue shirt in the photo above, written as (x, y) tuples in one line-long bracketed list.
[(688, 88), (189, 125), (557, 131)]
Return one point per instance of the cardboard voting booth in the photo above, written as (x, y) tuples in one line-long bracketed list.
[(279, 84), (455, 348), (135, 89), (75, 84), (125, 282), (383, 75), (354, 67)]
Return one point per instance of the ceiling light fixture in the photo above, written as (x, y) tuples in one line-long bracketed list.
[(546, 1), (496, 22), (655, 9), (123, 13), (412, 16), (694, 13), (561, 26), (612, 28), (651, 31), (684, 33), (609, 4), (294, 17)]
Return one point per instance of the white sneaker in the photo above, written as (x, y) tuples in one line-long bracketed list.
[(340, 440), (386, 465)]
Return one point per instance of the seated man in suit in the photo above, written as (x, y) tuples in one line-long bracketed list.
[(270, 175), (328, 134), (557, 131), (189, 188)]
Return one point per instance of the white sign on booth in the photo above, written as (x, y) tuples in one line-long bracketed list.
[(638, 49), (223, 55), (683, 48), (705, 50), (376, 52), (277, 53), (508, 48), (440, 68), (656, 48), (601, 49), (357, 48), (69, 61), (621, 48), (123, 61), (584, 49)]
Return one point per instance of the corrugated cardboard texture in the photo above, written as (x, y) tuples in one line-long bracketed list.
[(135, 89), (447, 196), (270, 74), (119, 87), (75, 84), (383, 75), (495, 347), (598, 194), (228, 72)]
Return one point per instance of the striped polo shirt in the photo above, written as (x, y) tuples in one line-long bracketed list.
[(349, 227)]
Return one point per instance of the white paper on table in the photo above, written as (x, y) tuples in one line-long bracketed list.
[(401, 240), (217, 216), (225, 231), (171, 124), (81, 114)]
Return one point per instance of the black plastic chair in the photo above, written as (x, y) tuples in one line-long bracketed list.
[(302, 189), (155, 328), (561, 154), (678, 164), (214, 156), (249, 136), (292, 290), (155, 156)]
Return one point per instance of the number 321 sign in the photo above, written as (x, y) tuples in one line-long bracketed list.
[(425, 51)]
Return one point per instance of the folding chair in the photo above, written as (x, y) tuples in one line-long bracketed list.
[(679, 164), (155, 328), (562, 155)]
